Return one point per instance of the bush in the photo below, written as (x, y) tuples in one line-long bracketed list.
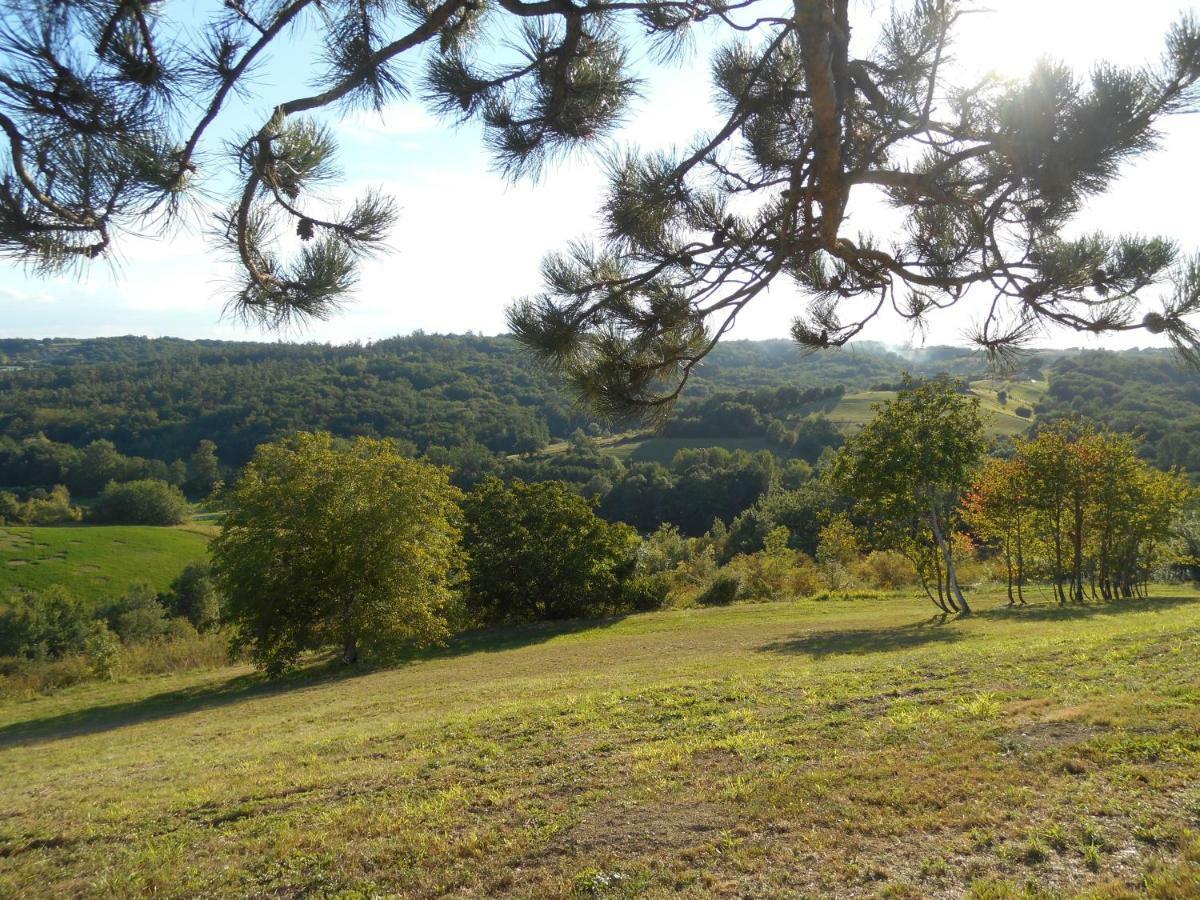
[(1024, 412), (884, 569), (804, 579), (106, 657), (25, 678), (103, 648), (41, 507), (145, 502), (725, 589), (193, 595), (138, 616), (42, 625), (643, 593)]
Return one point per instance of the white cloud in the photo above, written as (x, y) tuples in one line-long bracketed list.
[(397, 120)]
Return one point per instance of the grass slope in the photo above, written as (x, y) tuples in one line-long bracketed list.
[(840, 748), (849, 413), (94, 562)]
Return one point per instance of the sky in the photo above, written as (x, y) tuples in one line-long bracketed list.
[(468, 243)]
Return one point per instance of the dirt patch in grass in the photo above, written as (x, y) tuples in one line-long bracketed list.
[(18, 562), (631, 828), (1052, 733)]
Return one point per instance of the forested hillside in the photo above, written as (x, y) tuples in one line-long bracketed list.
[(1146, 394), (159, 398), (82, 413)]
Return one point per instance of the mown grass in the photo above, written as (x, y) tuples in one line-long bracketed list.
[(854, 410), (835, 748), (95, 562), (849, 412)]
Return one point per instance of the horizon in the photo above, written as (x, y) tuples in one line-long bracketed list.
[(864, 344)]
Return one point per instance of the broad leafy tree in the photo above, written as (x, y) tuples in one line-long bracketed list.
[(539, 551), (998, 508), (908, 470), (112, 114), (146, 501), (352, 547), (1078, 506)]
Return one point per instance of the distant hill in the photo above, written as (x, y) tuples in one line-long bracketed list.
[(157, 398)]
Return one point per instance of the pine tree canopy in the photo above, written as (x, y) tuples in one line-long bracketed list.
[(109, 111)]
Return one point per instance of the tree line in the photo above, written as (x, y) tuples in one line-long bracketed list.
[(360, 546), (1077, 506)]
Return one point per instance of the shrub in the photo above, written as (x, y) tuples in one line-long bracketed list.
[(725, 589), (41, 507), (837, 550), (24, 678), (103, 648), (884, 569), (804, 579), (193, 595), (644, 593), (42, 625), (145, 502), (1024, 412), (138, 616)]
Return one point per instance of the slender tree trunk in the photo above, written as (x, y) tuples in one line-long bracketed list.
[(1077, 548), (952, 587), (1058, 561), (919, 565), (1008, 566), (937, 568), (1020, 564), (350, 650)]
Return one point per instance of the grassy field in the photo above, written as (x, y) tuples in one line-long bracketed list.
[(849, 413), (96, 561), (836, 748), (856, 409)]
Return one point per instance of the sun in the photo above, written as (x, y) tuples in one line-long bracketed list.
[(1008, 37)]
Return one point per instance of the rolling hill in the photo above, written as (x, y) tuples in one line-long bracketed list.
[(96, 562), (848, 748)]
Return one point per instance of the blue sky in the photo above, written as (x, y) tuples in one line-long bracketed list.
[(468, 243)]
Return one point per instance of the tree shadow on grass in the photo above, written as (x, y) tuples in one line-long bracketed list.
[(939, 630), (861, 641), (507, 637), (1050, 611), (167, 704), (242, 688)]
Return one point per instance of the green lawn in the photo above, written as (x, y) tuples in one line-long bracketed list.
[(96, 561), (836, 748)]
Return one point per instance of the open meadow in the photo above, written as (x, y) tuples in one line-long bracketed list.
[(97, 562), (814, 748)]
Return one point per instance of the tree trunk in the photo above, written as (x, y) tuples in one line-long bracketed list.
[(1008, 567), (350, 650), (1020, 565), (1077, 548), (953, 590), (1058, 562)]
